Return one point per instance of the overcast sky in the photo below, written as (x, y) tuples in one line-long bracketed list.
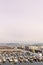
[(21, 20)]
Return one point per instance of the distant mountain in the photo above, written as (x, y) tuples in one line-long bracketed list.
[(12, 44), (9, 44), (37, 43), (17, 44)]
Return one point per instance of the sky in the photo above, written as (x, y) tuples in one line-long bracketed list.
[(21, 20)]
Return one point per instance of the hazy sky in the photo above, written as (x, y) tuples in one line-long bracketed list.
[(21, 20)]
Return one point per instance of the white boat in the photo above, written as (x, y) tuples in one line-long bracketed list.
[(15, 60), (10, 60), (0, 60), (4, 59), (25, 60)]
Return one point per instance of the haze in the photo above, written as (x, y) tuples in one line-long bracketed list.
[(21, 20)]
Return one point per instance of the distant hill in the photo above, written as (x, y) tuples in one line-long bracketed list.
[(17, 44)]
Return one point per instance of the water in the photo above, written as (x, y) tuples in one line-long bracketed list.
[(28, 63)]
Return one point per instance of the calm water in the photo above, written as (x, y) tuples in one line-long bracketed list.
[(35, 63)]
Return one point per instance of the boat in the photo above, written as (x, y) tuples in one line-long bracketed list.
[(31, 60), (3, 59), (10, 60), (0, 60), (15, 60), (25, 60), (20, 58)]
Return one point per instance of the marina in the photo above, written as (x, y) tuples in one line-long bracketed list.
[(20, 55), (21, 32), (28, 63)]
